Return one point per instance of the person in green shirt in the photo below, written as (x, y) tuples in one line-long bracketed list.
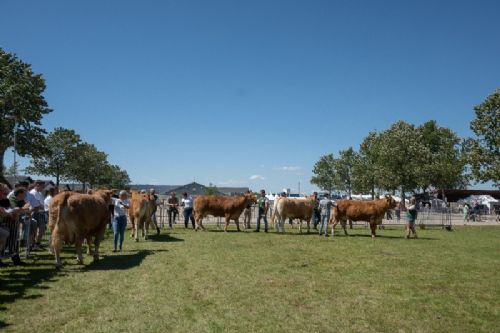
[(411, 214), (263, 204)]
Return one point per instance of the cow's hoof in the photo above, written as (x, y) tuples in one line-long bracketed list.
[(137, 239), (96, 258), (79, 262), (58, 266)]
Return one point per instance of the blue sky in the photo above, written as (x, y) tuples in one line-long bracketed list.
[(251, 93)]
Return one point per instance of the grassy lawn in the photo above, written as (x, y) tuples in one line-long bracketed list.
[(185, 281)]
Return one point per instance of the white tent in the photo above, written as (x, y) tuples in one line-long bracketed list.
[(486, 200)]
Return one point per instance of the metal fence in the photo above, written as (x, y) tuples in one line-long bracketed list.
[(19, 240)]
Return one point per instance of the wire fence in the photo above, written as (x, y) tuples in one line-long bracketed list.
[(22, 231)]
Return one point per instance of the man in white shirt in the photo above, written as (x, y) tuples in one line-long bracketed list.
[(36, 199)]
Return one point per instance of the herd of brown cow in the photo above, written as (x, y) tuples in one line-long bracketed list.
[(76, 217)]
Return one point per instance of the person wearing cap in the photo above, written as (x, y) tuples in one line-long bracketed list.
[(325, 207), (155, 208), (119, 219), (263, 205)]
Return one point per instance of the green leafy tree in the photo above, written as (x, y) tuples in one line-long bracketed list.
[(401, 156), (444, 163), (365, 171), (89, 165), (484, 151), (61, 146), (22, 107), (112, 176), (211, 189), (344, 166), (324, 171), (12, 170)]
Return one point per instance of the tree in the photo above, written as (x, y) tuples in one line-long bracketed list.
[(484, 151), (113, 176), (365, 171), (325, 173), (60, 153), (400, 158), (444, 163), (211, 189), (22, 107), (12, 170), (89, 165), (344, 170)]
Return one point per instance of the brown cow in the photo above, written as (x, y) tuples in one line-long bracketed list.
[(74, 217), (219, 206), (288, 208), (372, 211), (140, 210)]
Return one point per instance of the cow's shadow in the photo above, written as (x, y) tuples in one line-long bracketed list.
[(119, 261), (165, 238)]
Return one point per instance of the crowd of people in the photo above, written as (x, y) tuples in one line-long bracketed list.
[(26, 205)]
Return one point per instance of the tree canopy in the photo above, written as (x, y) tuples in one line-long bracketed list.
[(22, 107)]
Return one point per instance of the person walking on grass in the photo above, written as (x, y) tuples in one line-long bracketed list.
[(325, 207), (119, 219), (263, 204), (172, 209), (411, 214), (187, 203), (247, 214)]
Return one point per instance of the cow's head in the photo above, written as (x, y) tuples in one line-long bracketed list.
[(391, 202), (250, 197), (105, 195)]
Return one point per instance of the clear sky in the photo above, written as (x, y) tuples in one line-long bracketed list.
[(251, 92)]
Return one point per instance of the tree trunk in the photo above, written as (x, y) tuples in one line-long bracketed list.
[(403, 196), (2, 178)]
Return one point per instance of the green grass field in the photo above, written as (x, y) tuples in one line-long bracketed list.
[(186, 281)]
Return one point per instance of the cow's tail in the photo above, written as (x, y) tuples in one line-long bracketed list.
[(57, 226), (275, 214)]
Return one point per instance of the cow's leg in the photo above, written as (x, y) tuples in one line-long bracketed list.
[(227, 223), (300, 226), (373, 227), (97, 243), (132, 224), (344, 226), (78, 247), (136, 233), (236, 220), (309, 226), (56, 246), (146, 227), (89, 245)]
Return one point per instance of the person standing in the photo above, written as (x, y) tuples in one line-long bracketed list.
[(247, 214), (316, 213), (263, 204), (39, 212), (155, 208), (119, 219), (466, 213), (398, 211), (187, 203), (325, 206), (172, 208), (412, 218)]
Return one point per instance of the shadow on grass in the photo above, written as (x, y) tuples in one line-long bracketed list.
[(15, 282), (121, 261), (402, 237), (165, 238)]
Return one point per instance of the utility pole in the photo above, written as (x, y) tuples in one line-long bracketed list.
[(299, 188)]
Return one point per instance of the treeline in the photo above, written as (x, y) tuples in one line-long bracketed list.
[(61, 153), (407, 158)]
